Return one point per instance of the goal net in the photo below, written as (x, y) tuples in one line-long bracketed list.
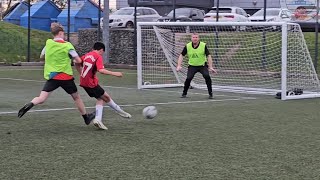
[(250, 57)]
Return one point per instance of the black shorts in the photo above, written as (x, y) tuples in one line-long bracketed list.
[(95, 92), (68, 85)]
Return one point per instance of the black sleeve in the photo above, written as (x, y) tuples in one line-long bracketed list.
[(184, 51), (207, 51)]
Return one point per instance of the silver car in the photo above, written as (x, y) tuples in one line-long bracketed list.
[(124, 17)]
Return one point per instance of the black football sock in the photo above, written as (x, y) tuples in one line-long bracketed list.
[(25, 109)]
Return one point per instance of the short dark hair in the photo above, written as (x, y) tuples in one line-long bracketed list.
[(195, 34), (98, 46)]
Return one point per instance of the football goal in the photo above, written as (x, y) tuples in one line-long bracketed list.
[(250, 57)]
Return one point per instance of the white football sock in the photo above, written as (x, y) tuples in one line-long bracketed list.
[(99, 111), (114, 106)]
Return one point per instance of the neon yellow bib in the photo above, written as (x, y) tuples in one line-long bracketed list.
[(57, 58), (197, 57)]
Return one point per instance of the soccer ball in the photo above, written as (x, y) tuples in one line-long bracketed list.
[(150, 112)]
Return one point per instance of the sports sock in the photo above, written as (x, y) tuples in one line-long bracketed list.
[(99, 111), (25, 109), (114, 106)]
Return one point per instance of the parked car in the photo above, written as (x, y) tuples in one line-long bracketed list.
[(306, 17), (124, 17), (272, 15), (227, 14), (184, 15)]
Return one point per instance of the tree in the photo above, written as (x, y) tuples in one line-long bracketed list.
[(9, 5), (61, 3)]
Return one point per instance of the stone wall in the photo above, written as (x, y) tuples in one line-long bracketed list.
[(121, 44)]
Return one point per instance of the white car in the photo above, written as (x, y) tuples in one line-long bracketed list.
[(272, 15), (227, 14), (124, 17)]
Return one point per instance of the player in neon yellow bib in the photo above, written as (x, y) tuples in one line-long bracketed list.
[(199, 61), (57, 59), (58, 72)]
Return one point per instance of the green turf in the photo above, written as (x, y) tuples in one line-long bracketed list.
[(310, 38), (228, 138)]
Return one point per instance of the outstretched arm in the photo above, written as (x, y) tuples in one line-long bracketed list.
[(107, 72)]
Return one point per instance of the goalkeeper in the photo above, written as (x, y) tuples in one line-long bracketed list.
[(199, 61)]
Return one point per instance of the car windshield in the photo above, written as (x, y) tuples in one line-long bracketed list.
[(221, 10), (123, 12), (270, 12), (180, 12)]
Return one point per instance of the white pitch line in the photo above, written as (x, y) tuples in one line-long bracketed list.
[(159, 90), (118, 87), (21, 69), (41, 69), (132, 105), (27, 80)]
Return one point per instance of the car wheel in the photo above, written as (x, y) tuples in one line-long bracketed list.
[(129, 24)]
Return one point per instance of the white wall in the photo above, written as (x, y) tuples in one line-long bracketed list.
[(293, 4), (122, 3), (115, 4), (249, 4)]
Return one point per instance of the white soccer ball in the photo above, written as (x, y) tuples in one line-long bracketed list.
[(150, 112)]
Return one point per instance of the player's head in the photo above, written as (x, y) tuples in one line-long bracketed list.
[(195, 38), (57, 30), (100, 47)]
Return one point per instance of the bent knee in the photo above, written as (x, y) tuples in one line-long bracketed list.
[(106, 98)]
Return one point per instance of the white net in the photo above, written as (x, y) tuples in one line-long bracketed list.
[(247, 56)]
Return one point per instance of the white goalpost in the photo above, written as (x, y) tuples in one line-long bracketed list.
[(250, 57)]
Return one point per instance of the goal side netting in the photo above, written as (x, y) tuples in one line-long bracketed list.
[(250, 57)]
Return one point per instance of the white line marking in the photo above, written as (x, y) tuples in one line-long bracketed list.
[(159, 90), (21, 69), (27, 80), (41, 69), (117, 87), (132, 105)]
